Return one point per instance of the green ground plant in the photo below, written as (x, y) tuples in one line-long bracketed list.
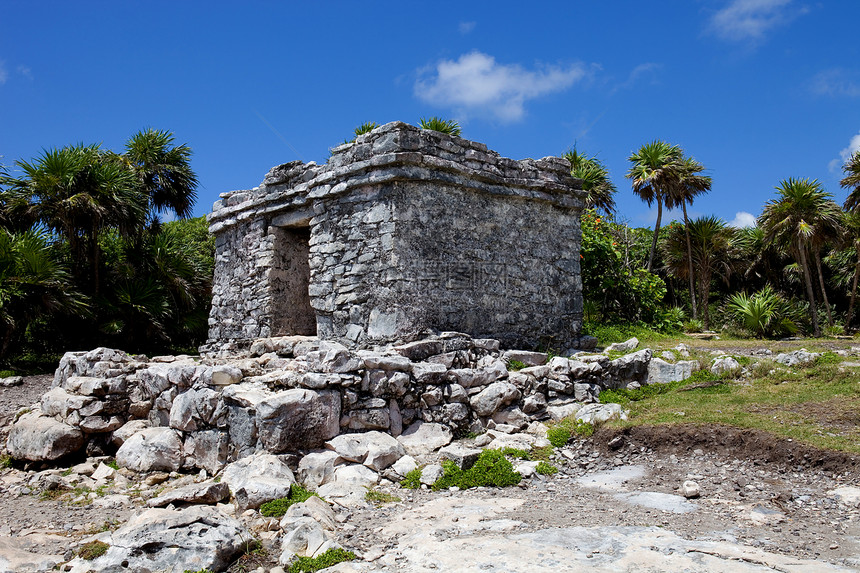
[(546, 469), (92, 550), (560, 433), (278, 507), (515, 365), (412, 480), (5, 461), (379, 498), (328, 559)]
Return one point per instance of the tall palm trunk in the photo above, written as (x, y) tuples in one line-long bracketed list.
[(704, 296), (853, 290), (821, 285), (656, 232), (690, 264), (813, 311)]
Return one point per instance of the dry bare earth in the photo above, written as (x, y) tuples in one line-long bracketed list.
[(766, 505)]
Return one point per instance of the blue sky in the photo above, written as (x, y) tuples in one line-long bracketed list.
[(756, 90)]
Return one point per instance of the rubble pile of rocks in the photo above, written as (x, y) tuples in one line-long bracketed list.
[(291, 394)]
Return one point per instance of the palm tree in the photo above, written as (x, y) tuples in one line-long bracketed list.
[(796, 220), (79, 191), (689, 185), (710, 242), (595, 181), (852, 181), (164, 173), (654, 172), (851, 236)]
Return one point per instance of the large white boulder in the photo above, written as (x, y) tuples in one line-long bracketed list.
[(422, 438), (151, 449), (192, 539), (374, 449), (38, 438), (256, 479)]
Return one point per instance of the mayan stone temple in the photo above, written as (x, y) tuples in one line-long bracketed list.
[(401, 233)]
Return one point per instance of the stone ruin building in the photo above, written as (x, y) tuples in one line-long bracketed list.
[(403, 232)]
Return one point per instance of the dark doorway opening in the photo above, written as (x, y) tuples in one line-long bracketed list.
[(289, 280)]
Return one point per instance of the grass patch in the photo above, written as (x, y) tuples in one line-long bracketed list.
[(5, 461), (327, 559), (92, 550), (624, 397), (491, 469), (541, 454), (546, 469), (7, 373), (278, 507), (815, 404), (111, 463), (516, 453), (515, 365), (379, 498), (609, 333), (412, 480), (560, 433), (51, 494)]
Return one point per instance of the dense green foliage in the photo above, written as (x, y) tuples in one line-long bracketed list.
[(85, 259), (278, 507)]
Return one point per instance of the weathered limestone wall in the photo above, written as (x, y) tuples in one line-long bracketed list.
[(409, 231)]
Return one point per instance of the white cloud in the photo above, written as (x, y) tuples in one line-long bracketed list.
[(751, 20), (25, 71), (742, 219), (466, 27), (835, 165), (646, 72), (4, 75), (836, 82), (476, 83)]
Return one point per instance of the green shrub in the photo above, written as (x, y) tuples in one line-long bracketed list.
[(278, 507), (327, 559), (92, 550), (6, 373), (412, 480), (546, 469), (694, 325), (491, 469), (766, 313)]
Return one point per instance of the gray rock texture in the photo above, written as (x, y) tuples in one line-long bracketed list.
[(193, 539), (39, 438)]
